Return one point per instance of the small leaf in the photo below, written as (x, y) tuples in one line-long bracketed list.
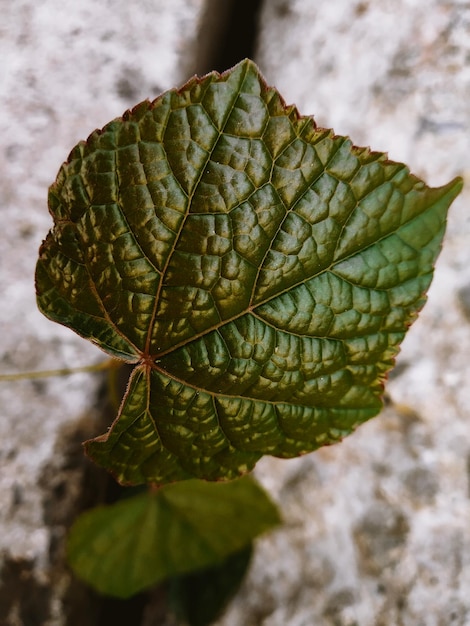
[(260, 273), (125, 547)]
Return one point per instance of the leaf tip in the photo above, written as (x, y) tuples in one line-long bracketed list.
[(455, 186)]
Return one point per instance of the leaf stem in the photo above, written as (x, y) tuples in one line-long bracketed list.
[(65, 371)]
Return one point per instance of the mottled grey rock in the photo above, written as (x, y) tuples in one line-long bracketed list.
[(376, 528), (464, 301), (385, 514), (67, 68)]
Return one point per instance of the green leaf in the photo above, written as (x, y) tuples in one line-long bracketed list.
[(123, 548), (260, 273)]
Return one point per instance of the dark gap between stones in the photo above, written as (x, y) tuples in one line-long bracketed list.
[(227, 35)]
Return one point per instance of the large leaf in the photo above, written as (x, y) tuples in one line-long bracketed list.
[(259, 271), (125, 547)]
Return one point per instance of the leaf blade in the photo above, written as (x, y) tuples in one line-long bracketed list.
[(123, 548), (262, 270)]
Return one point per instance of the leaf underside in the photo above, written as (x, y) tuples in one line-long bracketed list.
[(260, 273)]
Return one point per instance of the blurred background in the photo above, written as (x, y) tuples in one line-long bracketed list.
[(376, 528)]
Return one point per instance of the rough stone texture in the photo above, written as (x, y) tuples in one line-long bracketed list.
[(67, 68), (377, 527)]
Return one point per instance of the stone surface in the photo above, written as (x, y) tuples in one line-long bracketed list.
[(67, 68), (377, 527)]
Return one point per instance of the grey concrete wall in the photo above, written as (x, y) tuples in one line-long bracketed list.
[(66, 69), (377, 528)]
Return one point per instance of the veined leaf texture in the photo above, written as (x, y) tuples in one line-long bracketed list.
[(258, 271)]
